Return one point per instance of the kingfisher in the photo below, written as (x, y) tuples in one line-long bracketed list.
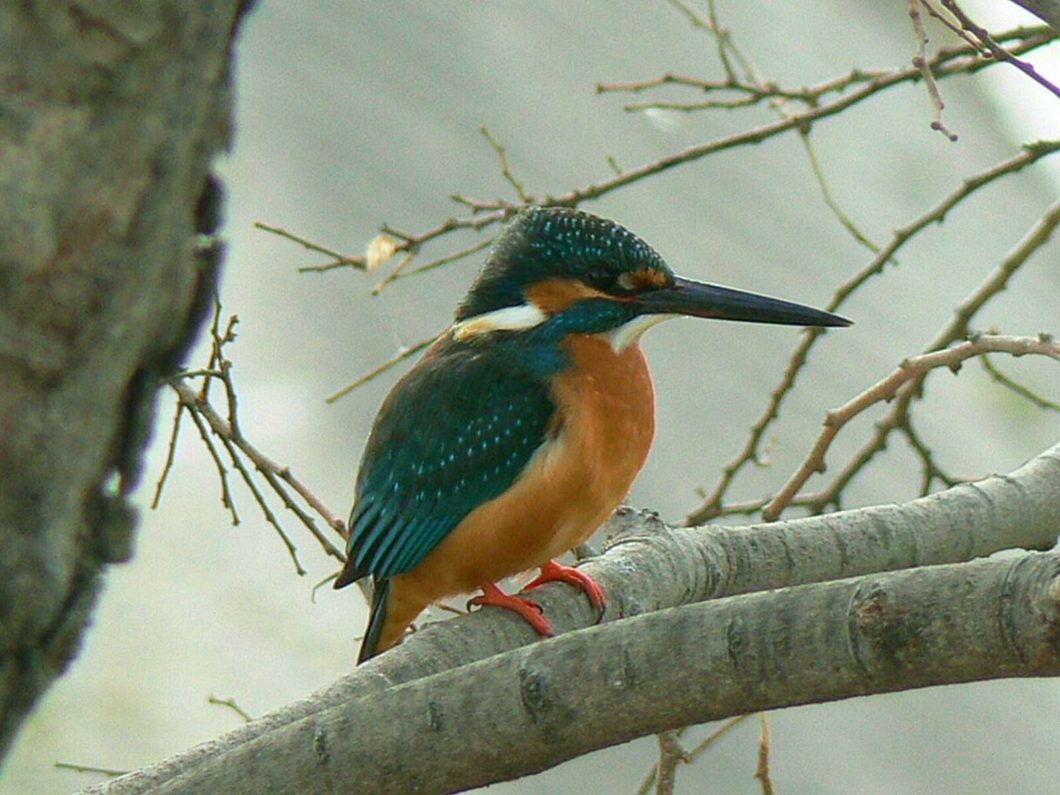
[(522, 427)]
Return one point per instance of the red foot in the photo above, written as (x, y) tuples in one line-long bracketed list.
[(530, 611), (553, 571)]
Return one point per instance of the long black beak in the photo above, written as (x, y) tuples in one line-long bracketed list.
[(686, 297)]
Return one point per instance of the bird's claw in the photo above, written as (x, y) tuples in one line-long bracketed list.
[(557, 572), (529, 610)]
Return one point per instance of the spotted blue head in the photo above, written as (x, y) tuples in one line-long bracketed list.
[(567, 270)]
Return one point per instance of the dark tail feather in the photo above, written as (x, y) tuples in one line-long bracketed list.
[(350, 573), (375, 620)]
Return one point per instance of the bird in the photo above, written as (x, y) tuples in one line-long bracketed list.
[(523, 426)]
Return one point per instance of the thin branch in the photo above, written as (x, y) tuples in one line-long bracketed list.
[(106, 771), (397, 358), (829, 201), (716, 31), (485, 214), (908, 375), (272, 471), (227, 431), (248, 480), (930, 471), (339, 260), (716, 735), (957, 329), (762, 772), (448, 258), (671, 753), (171, 453), (920, 61), (506, 170), (1047, 11), (713, 503), (403, 263), (945, 63), (1018, 388), (810, 96), (697, 751), (998, 52), (231, 704), (222, 471)]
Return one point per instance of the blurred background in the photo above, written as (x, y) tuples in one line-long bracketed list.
[(349, 114)]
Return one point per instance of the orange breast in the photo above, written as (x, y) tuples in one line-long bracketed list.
[(572, 484)]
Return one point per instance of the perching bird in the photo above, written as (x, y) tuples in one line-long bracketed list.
[(523, 426)]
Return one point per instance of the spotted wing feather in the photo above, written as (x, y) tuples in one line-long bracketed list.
[(455, 432)]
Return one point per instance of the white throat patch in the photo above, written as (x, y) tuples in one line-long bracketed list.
[(510, 318), (628, 334)]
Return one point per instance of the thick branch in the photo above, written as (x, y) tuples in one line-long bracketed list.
[(551, 702), (649, 567)]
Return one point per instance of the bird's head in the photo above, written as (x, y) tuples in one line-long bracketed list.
[(581, 274)]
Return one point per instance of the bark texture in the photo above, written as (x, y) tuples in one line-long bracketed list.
[(839, 626), (110, 113), (532, 708)]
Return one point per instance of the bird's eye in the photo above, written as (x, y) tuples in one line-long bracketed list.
[(602, 277)]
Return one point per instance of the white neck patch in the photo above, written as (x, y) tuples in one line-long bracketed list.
[(629, 333), (510, 318)]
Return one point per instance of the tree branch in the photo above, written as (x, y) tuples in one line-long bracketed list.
[(550, 702), (909, 374), (646, 568)]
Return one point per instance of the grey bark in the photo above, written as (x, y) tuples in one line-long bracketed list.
[(414, 694), (532, 708), (110, 114)]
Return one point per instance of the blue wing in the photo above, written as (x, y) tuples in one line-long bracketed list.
[(456, 431)]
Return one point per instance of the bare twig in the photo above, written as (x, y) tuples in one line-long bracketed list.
[(762, 773), (967, 56), (1018, 388), (930, 471), (222, 471), (338, 260), (953, 27), (403, 263), (906, 377), (232, 705), (716, 735), (212, 426), (106, 771), (397, 358), (698, 750), (462, 254), (272, 471), (851, 89), (920, 61), (171, 452), (506, 170), (955, 330), (826, 194), (671, 753), (713, 504), (998, 52)]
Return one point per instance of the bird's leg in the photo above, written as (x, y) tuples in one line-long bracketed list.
[(530, 611), (554, 571)]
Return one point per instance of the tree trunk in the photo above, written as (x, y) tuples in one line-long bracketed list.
[(111, 113)]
